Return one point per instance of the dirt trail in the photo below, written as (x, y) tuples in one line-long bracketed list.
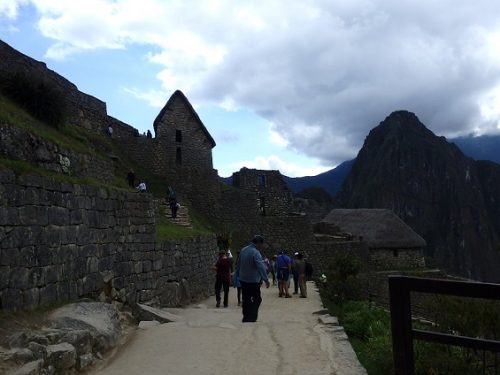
[(287, 339)]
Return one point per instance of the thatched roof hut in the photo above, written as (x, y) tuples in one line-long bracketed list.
[(379, 228)]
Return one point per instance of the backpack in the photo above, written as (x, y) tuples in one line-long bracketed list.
[(309, 269)]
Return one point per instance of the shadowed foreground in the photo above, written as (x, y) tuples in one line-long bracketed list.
[(287, 339)]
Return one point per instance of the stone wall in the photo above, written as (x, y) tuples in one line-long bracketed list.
[(323, 252), (60, 242), (397, 259), (18, 144), (83, 110)]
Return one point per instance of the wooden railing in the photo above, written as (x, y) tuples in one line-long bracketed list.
[(402, 331)]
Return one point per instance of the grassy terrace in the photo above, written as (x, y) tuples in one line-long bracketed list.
[(84, 142)]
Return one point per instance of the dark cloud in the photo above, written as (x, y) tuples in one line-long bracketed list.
[(325, 82), (323, 72)]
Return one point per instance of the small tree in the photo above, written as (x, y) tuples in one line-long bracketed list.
[(343, 281)]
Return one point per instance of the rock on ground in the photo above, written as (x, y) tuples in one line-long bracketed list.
[(100, 319)]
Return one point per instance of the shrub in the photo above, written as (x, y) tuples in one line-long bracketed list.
[(41, 98), (343, 279)]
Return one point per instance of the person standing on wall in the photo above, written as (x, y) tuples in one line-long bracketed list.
[(222, 277), (131, 178), (251, 272)]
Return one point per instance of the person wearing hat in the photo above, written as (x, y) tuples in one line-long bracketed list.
[(251, 272)]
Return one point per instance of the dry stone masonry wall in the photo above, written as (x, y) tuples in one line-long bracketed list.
[(61, 241), (83, 110), (18, 144)]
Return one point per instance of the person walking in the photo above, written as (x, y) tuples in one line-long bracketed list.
[(251, 272), (172, 202), (273, 269), (283, 269), (295, 274), (300, 265), (222, 277), (237, 285)]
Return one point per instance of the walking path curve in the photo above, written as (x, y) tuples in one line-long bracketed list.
[(291, 336)]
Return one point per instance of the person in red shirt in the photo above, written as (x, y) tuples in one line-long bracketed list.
[(222, 277)]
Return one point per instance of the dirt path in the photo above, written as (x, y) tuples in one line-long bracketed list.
[(287, 339)]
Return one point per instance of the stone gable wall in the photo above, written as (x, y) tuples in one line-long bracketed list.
[(195, 148), (60, 242)]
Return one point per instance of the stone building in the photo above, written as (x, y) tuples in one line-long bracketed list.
[(179, 126), (391, 244), (272, 194), (259, 202), (180, 152)]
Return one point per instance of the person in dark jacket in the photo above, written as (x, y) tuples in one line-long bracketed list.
[(222, 278)]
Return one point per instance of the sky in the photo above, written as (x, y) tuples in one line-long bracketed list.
[(279, 84)]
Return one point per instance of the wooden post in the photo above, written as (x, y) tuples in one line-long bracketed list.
[(402, 341)]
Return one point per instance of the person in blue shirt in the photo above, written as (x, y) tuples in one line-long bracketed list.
[(251, 272), (283, 269)]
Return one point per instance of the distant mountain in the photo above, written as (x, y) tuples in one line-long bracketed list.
[(452, 201), (486, 147), (331, 180)]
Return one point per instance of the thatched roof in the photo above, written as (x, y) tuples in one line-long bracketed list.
[(179, 94), (380, 228)]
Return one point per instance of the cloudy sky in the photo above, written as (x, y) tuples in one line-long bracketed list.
[(280, 84)]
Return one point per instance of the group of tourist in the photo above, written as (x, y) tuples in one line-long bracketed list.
[(251, 271), (286, 268)]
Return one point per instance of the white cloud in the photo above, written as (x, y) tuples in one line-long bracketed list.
[(273, 162), (154, 98), (275, 138), (323, 72), (9, 8)]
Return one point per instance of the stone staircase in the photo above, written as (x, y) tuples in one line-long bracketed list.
[(182, 218)]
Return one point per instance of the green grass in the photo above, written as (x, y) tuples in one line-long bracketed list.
[(67, 136), (166, 230), (21, 167)]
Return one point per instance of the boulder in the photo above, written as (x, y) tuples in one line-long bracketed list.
[(81, 339), (30, 368), (100, 319), (61, 356), (19, 355), (21, 339), (39, 351), (85, 360)]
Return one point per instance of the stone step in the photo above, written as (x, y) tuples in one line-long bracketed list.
[(182, 218)]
